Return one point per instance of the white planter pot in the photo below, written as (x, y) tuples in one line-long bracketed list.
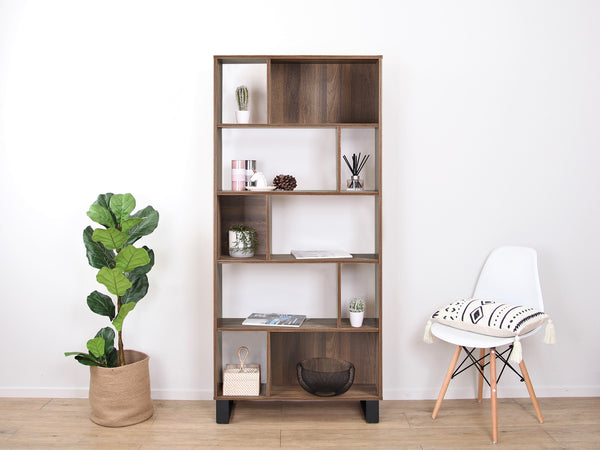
[(242, 116), (356, 318), (235, 250)]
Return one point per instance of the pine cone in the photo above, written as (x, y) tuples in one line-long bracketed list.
[(284, 182)]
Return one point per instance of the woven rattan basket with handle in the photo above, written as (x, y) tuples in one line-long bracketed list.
[(241, 379)]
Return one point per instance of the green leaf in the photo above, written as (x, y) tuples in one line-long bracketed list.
[(122, 205), (143, 269), (118, 322), (131, 258), (104, 201), (111, 238), (127, 224), (101, 215), (88, 360), (114, 280), (96, 347), (101, 304), (111, 358), (138, 289), (97, 254), (148, 224), (108, 334)]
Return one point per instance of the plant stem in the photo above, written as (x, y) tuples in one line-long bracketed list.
[(120, 334)]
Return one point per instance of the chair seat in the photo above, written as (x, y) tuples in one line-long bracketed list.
[(472, 340)]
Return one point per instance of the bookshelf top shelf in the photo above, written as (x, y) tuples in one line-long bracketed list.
[(297, 192), (298, 125)]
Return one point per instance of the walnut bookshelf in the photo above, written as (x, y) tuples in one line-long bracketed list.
[(303, 92)]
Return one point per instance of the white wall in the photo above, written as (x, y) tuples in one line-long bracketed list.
[(491, 137)]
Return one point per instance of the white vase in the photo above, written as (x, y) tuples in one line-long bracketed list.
[(242, 116), (239, 252), (356, 318)]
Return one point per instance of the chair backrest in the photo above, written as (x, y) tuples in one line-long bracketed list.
[(510, 275)]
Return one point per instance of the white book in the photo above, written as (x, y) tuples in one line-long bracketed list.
[(320, 254)]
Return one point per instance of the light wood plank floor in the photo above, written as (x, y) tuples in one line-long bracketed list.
[(64, 423)]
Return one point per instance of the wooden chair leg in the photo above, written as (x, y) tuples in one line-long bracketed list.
[(482, 365), (438, 404), (494, 395), (536, 405)]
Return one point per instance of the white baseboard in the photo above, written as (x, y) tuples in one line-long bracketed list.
[(388, 394), (157, 394), (503, 392)]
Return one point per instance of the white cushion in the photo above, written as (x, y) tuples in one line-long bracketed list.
[(490, 318)]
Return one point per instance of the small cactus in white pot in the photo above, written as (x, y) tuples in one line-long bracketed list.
[(241, 95), (357, 311)]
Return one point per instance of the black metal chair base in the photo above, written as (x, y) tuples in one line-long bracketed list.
[(475, 362)]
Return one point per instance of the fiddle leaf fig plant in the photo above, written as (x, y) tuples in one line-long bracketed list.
[(122, 270)]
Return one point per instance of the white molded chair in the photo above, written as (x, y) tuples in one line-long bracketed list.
[(509, 275)]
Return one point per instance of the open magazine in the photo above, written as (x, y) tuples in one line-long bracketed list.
[(274, 320)]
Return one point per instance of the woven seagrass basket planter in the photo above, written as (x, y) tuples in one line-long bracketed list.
[(120, 396)]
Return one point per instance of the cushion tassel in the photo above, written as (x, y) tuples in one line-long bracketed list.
[(428, 336), (517, 352), (550, 336)]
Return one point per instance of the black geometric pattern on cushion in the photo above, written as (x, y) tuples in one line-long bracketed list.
[(490, 318), (476, 314)]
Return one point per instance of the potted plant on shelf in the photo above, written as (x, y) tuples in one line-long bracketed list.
[(242, 115), (242, 241), (119, 379), (357, 311)]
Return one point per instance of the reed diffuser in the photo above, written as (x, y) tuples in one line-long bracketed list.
[(355, 183)]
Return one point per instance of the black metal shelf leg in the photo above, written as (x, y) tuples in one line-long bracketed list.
[(224, 410), (371, 410)]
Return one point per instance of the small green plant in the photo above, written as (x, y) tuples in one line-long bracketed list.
[(357, 304), (122, 270), (246, 240), (241, 94)]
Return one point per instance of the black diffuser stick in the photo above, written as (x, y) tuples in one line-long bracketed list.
[(348, 164), (364, 161)]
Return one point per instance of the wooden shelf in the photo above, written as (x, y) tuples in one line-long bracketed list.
[(298, 192), (356, 392), (357, 258), (309, 325), (298, 125)]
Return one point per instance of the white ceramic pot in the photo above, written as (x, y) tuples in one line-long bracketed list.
[(356, 318), (235, 250), (242, 116)]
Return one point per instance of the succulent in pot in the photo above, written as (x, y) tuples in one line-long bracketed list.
[(243, 241), (242, 115), (357, 311)]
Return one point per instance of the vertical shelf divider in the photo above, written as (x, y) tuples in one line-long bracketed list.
[(268, 90), (338, 158), (269, 205), (339, 295)]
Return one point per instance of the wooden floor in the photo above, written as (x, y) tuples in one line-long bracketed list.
[(64, 423)]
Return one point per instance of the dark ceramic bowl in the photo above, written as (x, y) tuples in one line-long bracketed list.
[(325, 377)]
